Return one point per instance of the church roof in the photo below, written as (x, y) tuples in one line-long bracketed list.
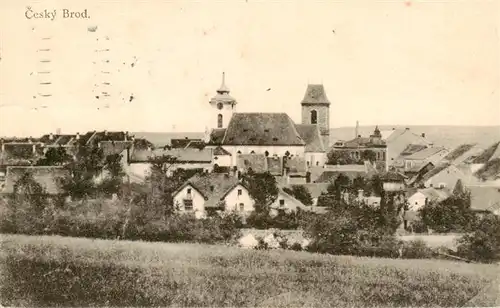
[(217, 135), (262, 129), (310, 135), (315, 95)]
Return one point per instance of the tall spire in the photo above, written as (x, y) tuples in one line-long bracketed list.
[(356, 132), (223, 88)]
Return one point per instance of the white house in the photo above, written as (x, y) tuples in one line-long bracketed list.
[(216, 191), (285, 202), (422, 197), (446, 175)]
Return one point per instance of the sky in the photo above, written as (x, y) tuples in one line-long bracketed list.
[(381, 62)]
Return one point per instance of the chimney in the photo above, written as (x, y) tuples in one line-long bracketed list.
[(357, 129), (51, 136), (423, 135)]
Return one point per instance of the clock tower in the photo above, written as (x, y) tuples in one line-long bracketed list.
[(223, 106)]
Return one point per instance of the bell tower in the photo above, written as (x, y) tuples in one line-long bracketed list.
[(316, 110), (222, 105)]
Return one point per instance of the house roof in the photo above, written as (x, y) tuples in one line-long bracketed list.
[(393, 176), (490, 170), (46, 176), (114, 147), (310, 134), (315, 95), (284, 193), (330, 176), (95, 136), (413, 148), (391, 135), (212, 186), (419, 167), (182, 143), (425, 153), (182, 155), (217, 135), (459, 151), (256, 162), (57, 140), (490, 153), (485, 198), (315, 189), (221, 151), (435, 195), (434, 171), (262, 129), (15, 153)]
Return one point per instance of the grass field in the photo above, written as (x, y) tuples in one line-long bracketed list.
[(59, 271)]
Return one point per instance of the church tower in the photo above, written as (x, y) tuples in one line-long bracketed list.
[(316, 110), (223, 106)]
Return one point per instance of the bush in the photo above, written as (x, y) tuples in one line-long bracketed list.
[(483, 244), (296, 247), (417, 249)]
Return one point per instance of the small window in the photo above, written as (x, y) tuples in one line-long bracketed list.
[(307, 164), (266, 153), (282, 202), (314, 117), (188, 205), (253, 152), (211, 188), (240, 192), (189, 190), (239, 152), (219, 121), (317, 163), (242, 207)]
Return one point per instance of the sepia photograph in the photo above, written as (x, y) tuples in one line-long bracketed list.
[(248, 153)]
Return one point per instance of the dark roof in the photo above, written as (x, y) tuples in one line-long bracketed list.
[(315, 189), (221, 151), (295, 165), (392, 176), (315, 95), (425, 153), (217, 135), (142, 144), (490, 153), (182, 155), (212, 186), (490, 170), (310, 134), (458, 151), (262, 129), (104, 136), (47, 176), (256, 162), (413, 148), (182, 143), (114, 147), (485, 198), (330, 176), (434, 171), (420, 167)]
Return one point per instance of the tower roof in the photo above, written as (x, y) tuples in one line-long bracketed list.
[(222, 95), (223, 88), (315, 95)]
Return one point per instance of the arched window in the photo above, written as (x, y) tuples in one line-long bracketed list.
[(239, 152), (314, 117), (219, 121)]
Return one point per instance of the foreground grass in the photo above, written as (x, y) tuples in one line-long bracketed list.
[(59, 271)]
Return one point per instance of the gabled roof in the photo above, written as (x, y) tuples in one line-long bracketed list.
[(287, 195), (490, 153), (310, 134), (425, 153), (114, 147), (393, 176), (315, 189), (485, 198), (182, 143), (221, 151), (47, 176), (262, 129), (435, 195), (216, 136), (413, 148), (212, 186), (459, 151), (315, 95), (420, 167), (434, 171), (490, 170), (182, 155), (330, 176), (391, 135)]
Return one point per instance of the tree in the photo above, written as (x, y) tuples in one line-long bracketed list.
[(262, 188), (55, 157), (300, 193), (369, 155), (340, 157), (484, 243)]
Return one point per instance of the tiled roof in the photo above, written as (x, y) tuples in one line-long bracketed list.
[(217, 135), (365, 142), (425, 153), (436, 195), (47, 177), (221, 151), (310, 135), (393, 176), (485, 198), (458, 151), (391, 135), (490, 170), (262, 129), (256, 162), (330, 176), (104, 136), (420, 166), (182, 155), (114, 147), (413, 148), (212, 186), (315, 95), (434, 171), (490, 153), (315, 189), (182, 143), (296, 165)]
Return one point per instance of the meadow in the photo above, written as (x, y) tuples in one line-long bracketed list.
[(63, 271)]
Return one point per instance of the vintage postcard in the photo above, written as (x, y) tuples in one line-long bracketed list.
[(245, 153)]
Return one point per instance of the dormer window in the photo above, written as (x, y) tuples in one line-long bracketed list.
[(282, 202)]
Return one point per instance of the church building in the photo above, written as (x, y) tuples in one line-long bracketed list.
[(270, 134)]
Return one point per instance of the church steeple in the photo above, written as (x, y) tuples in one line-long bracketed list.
[(223, 88), (223, 105)]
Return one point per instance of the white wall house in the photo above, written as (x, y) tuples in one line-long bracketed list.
[(285, 202)]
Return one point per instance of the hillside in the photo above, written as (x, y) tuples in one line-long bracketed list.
[(447, 136)]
